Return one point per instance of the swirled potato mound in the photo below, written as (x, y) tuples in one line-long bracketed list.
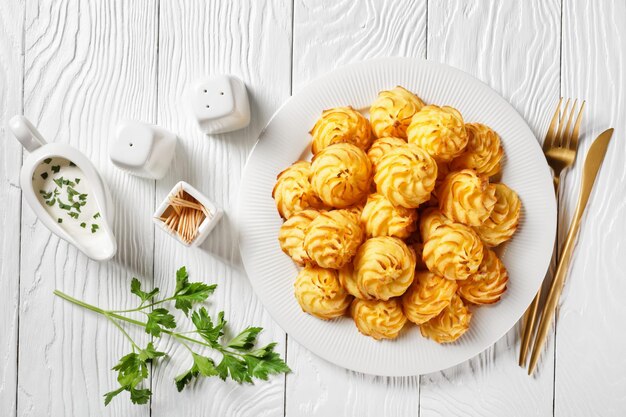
[(392, 112), (332, 238), (483, 152), (378, 319), (450, 324), (291, 235), (467, 198), (440, 131), (320, 294), (427, 296), (430, 221), (342, 174), (406, 176), (348, 280), (504, 218), (293, 192), (381, 218), (382, 146), (384, 267), (453, 251), (341, 125), (488, 284)]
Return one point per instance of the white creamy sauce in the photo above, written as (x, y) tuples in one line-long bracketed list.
[(65, 194)]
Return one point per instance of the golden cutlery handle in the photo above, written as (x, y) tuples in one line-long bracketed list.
[(530, 318), (555, 290)]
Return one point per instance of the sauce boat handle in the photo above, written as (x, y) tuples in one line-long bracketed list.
[(26, 133)]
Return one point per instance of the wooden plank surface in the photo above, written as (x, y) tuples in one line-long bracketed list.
[(514, 48), (590, 365), (11, 83), (251, 40), (76, 68), (87, 65), (321, 44)]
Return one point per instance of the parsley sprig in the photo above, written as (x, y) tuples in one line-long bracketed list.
[(240, 360)]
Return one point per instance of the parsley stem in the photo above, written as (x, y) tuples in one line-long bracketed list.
[(113, 314), (182, 343), (97, 309), (116, 324), (142, 307)]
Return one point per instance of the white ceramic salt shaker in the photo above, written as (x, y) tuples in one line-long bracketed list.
[(143, 149), (220, 104)]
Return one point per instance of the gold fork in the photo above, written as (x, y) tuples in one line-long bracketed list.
[(560, 147)]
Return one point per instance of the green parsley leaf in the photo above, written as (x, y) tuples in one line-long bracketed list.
[(44, 175), (182, 278), (205, 365), (135, 288), (110, 395), (59, 220), (83, 225), (234, 366), (157, 318), (77, 180), (140, 396), (72, 164), (94, 227), (187, 293), (97, 215), (131, 370), (262, 352), (270, 364), (73, 215), (150, 353), (58, 181), (202, 365), (47, 160), (246, 339), (206, 329), (51, 202), (186, 377), (55, 168)]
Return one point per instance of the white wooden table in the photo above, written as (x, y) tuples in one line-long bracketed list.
[(76, 68)]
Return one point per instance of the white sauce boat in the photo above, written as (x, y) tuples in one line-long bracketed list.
[(99, 246)]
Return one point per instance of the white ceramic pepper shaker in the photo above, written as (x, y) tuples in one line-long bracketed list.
[(220, 104), (143, 149)]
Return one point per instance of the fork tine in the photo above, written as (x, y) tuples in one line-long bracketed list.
[(560, 132), (548, 142), (567, 134), (574, 141)]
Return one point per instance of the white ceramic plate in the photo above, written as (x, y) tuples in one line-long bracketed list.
[(286, 139)]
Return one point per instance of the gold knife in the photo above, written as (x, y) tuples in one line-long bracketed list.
[(594, 159)]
